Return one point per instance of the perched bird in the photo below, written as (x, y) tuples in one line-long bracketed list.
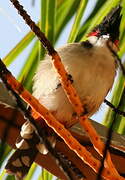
[(91, 66)]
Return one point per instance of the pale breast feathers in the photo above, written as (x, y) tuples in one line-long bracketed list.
[(92, 70)]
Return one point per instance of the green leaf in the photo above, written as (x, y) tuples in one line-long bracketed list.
[(31, 172), (47, 21), (122, 29), (28, 64), (45, 175), (6, 149), (29, 68), (2, 174), (122, 26), (50, 24), (18, 48), (59, 3), (117, 94), (122, 45), (64, 13), (120, 123), (10, 177), (40, 176), (76, 25)]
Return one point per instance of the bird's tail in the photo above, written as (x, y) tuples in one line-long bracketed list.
[(28, 145), (25, 154)]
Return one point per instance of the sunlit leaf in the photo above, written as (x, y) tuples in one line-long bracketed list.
[(76, 24), (64, 13), (31, 172), (26, 69), (18, 48)]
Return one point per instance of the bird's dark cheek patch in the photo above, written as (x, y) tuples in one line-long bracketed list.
[(87, 44)]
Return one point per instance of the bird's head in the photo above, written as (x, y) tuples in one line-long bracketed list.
[(109, 28)]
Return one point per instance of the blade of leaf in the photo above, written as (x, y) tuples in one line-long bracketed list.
[(77, 21), (2, 174), (40, 176), (28, 64), (44, 174), (27, 73), (31, 172), (29, 79), (10, 177), (122, 45), (47, 22), (59, 3), (50, 24), (121, 127), (50, 176), (122, 29), (43, 15), (122, 25), (18, 48), (64, 13), (7, 150), (47, 18)]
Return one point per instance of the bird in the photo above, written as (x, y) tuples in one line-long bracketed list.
[(91, 66)]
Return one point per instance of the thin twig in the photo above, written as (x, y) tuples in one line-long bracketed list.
[(116, 110)]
